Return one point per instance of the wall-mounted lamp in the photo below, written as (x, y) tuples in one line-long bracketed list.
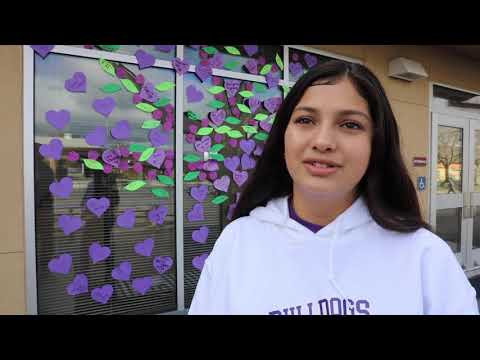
[(406, 69)]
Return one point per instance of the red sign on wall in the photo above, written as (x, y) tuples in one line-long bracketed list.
[(420, 161)]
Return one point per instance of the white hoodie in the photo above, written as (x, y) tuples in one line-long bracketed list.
[(267, 263)]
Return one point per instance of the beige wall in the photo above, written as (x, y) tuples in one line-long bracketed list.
[(409, 101), (12, 248)]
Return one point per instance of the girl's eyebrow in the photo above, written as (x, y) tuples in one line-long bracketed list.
[(342, 113)]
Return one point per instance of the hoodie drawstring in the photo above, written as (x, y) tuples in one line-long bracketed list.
[(331, 273)]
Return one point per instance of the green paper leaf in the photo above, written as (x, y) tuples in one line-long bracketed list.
[(210, 50), (135, 185), (243, 108), (286, 89), (107, 67), (223, 129), (93, 164), (129, 85), (218, 157), (190, 158), (161, 193), (266, 69), (216, 90), (111, 48), (164, 179), (219, 199), (249, 129), (216, 104), (111, 88), (192, 175), (193, 116), (151, 124), (279, 61), (204, 131), (246, 94), (146, 107), (259, 87), (162, 102), (261, 136), (165, 86), (216, 148), (138, 148), (146, 154), (233, 120), (232, 50), (235, 134), (261, 117), (231, 65)]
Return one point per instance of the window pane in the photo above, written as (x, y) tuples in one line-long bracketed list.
[(69, 222), (449, 160), (449, 227), (456, 100), (225, 173), (300, 61), (160, 52)]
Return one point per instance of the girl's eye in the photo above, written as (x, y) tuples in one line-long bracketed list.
[(303, 120), (351, 125)]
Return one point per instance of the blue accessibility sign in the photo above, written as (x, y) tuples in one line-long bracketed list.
[(421, 183)]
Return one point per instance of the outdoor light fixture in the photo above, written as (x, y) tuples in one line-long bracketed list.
[(406, 69)]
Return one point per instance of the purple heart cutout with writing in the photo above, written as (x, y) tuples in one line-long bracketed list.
[(296, 68), (111, 157), (142, 285), (79, 285), (145, 247), (122, 272), (210, 165), (162, 263), (199, 193), (157, 158), (222, 184), (311, 60), (265, 126), (231, 163), (247, 146), (98, 252), (127, 219), (204, 144), (218, 116), (145, 60), (58, 119), (247, 162), (232, 86), (203, 71), (157, 137), (63, 188), (149, 93), (240, 177), (102, 294), (104, 106), (254, 103), (193, 94), (98, 206), (196, 214), (52, 150), (157, 215), (60, 265), (272, 104), (200, 235), (77, 83), (180, 66), (251, 66), (272, 79)]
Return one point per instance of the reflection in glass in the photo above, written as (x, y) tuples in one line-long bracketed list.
[(449, 227), (300, 61), (161, 52), (449, 160)]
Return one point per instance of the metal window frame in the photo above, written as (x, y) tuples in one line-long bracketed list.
[(28, 148)]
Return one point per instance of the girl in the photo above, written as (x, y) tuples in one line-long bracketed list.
[(329, 222)]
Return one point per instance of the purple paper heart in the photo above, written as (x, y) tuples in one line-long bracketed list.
[(217, 61), (272, 79), (97, 137), (127, 219), (60, 265), (247, 162), (311, 60), (63, 188), (247, 146), (111, 157), (272, 104), (232, 86), (251, 66), (259, 150), (102, 294), (164, 48), (199, 193), (240, 177), (142, 285), (193, 94), (157, 158), (265, 126), (69, 223), (52, 150), (218, 116), (296, 68), (58, 119), (200, 235), (231, 163), (250, 49), (145, 247), (157, 215), (77, 83), (149, 93), (199, 261), (98, 206), (104, 106), (203, 71), (180, 66), (196, 214), (210, 165), (204, 144), (79, 285), (254, 103), (145, 60), (157, 137), (222, 184), (98, 252), (162, 263), (122, 272), (42, 50), (122, 130)]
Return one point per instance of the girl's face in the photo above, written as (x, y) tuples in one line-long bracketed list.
[(328, 140)]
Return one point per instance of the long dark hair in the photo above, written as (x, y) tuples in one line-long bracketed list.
[(386, 186)]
